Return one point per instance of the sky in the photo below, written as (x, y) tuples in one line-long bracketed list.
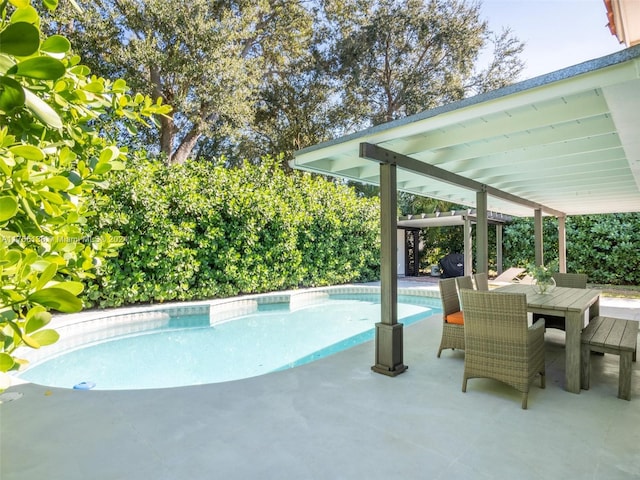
[(556, 33)]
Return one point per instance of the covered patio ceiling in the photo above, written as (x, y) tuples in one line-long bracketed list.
[(565, 143)]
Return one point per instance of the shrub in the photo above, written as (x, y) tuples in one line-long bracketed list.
[(605, 247), (201, 230)]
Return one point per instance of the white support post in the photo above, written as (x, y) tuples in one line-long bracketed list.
[(468, 248), (499, 265), (482, 232), (538, 240), (562, 244)]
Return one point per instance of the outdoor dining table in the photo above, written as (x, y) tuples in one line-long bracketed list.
[(570, 303)]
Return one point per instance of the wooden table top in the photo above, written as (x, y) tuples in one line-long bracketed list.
[(561, 298)]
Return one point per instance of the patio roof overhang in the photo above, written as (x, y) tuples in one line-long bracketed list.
[(565, 143), (448, 219), (461, 218)]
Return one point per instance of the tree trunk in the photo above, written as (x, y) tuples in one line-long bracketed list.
[(167, 125), (167, 134), (186, 146)]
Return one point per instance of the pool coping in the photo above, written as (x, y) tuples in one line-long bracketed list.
[(92, 326), (190, 307)]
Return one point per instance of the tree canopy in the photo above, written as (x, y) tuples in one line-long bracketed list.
[(396, 58), (271, 76), (207, 59)]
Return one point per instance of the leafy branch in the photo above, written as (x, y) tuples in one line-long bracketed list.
[(52, 157)]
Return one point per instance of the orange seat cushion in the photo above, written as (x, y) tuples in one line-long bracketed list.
[(455, 317)]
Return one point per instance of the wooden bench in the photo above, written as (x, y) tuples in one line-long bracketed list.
[(610, 335)]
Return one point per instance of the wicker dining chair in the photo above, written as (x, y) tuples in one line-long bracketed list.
[(464, 282), (452, 318), (571, 280), (482, 281), (498, 342)]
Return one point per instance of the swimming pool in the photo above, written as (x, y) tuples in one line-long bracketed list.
[(210, 343)]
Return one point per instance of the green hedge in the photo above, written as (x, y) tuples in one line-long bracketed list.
[(201, 230), (605, 247)]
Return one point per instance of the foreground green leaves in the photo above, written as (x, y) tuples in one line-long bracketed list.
[(52, 157), (43, 68), (19, 39)]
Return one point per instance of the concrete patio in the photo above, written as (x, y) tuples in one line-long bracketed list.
[(330, 420)]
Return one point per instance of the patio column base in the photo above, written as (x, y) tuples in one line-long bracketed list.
[(389, 350)]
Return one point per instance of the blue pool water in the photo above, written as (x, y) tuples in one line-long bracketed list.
[(271, 339)]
